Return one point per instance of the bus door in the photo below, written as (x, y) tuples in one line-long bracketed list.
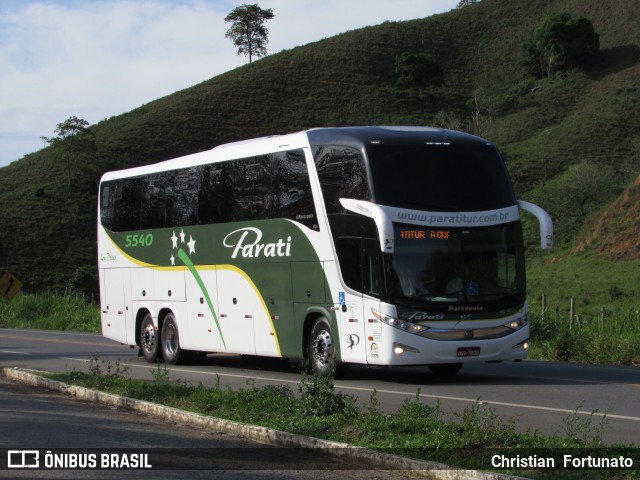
[(372, 288), (352, 327), (361, 270)]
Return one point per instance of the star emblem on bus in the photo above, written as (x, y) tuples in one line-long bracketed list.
[(177, 246)]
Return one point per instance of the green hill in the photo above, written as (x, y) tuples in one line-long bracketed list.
[(551, 132)]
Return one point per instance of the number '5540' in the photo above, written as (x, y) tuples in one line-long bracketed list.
[(139, 240)]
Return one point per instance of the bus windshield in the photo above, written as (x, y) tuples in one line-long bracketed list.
[(445, 266), (447, 178)]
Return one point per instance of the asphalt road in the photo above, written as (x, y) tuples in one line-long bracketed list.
[(538, 395), (36, 420)]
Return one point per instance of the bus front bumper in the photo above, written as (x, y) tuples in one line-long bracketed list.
[(403, 349)]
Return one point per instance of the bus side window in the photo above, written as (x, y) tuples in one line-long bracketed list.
[(182, 188), (109, 205), (251, 187), (130, 203), (154, 207), (292, 188), (342, 174), (371, 254), (214, 199), (350, 260), (359, 260)]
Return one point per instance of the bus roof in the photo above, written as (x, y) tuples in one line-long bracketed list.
[(347, 136), (221, 153), (396, 134)]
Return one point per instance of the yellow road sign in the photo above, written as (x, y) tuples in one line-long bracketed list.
[(9, 285)]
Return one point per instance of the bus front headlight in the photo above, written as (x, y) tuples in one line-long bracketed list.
[(398, 323)]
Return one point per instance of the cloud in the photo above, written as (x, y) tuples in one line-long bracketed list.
[(121, 54), (105, 57)]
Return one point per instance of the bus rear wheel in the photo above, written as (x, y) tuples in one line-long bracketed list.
[(170, 340), (149, 339)]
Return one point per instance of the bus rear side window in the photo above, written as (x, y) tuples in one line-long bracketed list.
[(274, 185)]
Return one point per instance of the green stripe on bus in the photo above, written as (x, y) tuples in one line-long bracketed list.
[(182, 255)]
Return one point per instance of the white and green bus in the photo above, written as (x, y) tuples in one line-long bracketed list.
[(380, 246)]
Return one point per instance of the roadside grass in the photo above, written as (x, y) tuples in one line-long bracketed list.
[(605, 327), (49, 311), (612, 340), (417, 430), (593, 281)]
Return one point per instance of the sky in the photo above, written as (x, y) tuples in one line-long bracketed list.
[(95, 59)]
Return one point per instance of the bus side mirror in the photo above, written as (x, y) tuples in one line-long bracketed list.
[(546, 224), (379, 216)]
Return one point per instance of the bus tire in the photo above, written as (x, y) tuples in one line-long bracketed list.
[(321, 348), (149, 340), (444, 370), (170, 340)]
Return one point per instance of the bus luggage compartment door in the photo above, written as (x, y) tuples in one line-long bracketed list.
[(236, 299), (115, 316)]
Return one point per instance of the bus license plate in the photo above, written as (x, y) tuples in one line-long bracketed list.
[(468, 351)]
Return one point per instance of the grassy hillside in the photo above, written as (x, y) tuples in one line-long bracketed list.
[(617, 230), (547, 130)]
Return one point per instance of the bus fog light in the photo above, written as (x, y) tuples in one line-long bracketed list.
[(523, 345), (400, 349)]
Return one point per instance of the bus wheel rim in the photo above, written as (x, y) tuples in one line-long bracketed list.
[(170, 340), (323, 347), (149, 338)]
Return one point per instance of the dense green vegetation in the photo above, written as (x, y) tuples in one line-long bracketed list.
[(418, 430), (554, 132), (560, 42), (48, 311), (605, 326)]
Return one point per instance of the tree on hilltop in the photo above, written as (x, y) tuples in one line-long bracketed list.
[(248, 31), (464, 3), (70, 134)]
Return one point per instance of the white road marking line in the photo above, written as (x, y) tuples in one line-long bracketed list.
[(503, 404), (15, 353)]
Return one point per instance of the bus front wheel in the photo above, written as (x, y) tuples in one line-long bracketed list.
[(170, 340), (149, 339), (321, 348)]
